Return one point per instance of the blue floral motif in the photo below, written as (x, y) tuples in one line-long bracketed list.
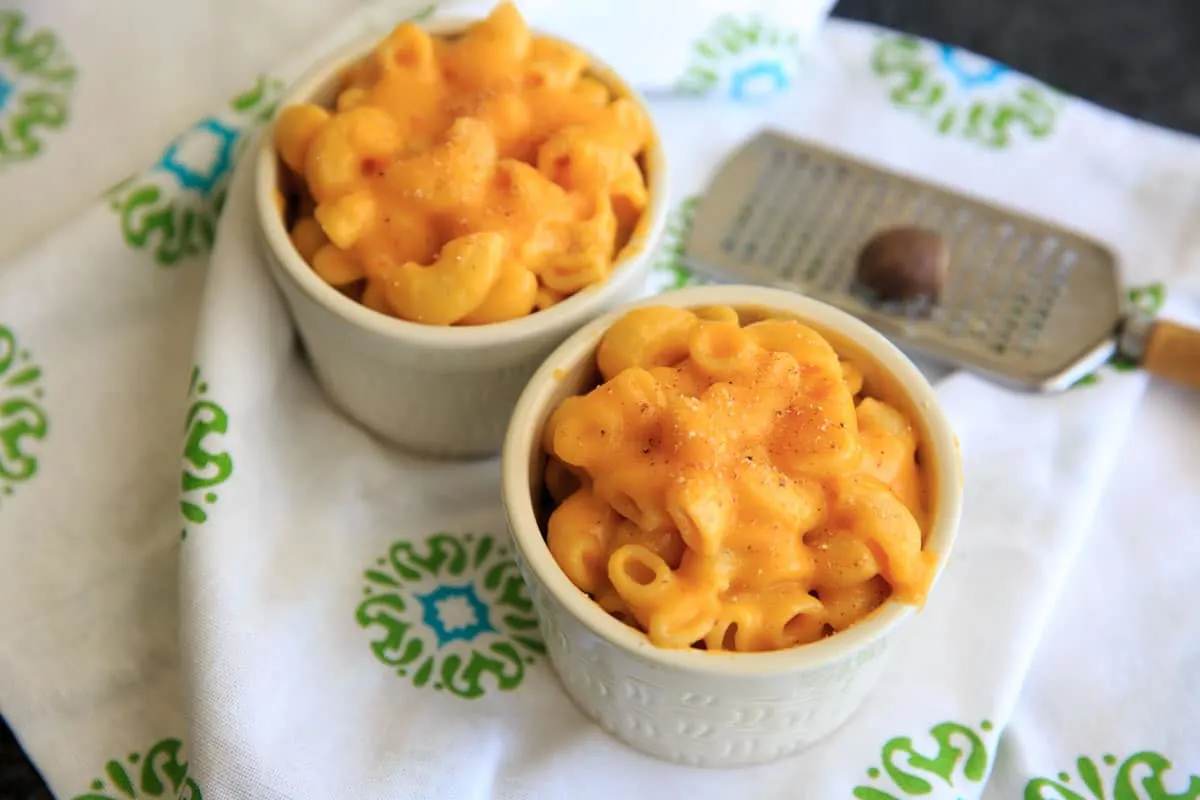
[(758, 80), (435, 607), (970, 70), (171, 210), (746, 58), (204, 179), (6, 90), (450, 612)]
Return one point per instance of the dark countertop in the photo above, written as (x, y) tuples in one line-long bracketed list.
[(1142, 59)]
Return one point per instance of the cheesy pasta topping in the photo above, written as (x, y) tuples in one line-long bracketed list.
[(734, 487), (465, 180)]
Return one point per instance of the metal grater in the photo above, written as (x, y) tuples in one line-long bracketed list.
[(1025, 303)]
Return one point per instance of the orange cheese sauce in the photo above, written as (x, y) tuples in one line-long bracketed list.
[(465, 180), (734, 484)]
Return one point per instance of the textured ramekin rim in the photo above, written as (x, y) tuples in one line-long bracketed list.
[(523, 439), (565, 315)]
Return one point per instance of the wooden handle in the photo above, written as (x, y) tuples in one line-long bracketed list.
[(1173, 353)]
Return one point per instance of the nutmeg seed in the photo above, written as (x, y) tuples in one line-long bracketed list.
[(904, 263)]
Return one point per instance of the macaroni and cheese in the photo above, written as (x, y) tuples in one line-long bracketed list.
[(734, 483), (465, 180)]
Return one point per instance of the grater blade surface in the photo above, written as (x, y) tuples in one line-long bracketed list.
[(1025, 303)]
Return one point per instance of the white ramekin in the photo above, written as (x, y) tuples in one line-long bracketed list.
[(689, 706), (442, 391)]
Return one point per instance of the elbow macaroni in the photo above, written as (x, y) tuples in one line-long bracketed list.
[(465, 180), (734, 486)]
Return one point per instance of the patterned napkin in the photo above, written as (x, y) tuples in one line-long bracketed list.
[(317, 616)]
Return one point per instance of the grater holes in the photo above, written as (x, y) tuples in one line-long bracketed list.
[(984, 304), (734, 236), (1045, 279), (933, 215), (780, 258), (829, 220), (788, 212), (865, 197), (1065, 264), (1037, 296), (1002, 319), (769, 217), (802, 223), (970, 289), (959, 239), (814, 178), (811, 263), (918, 209), (752, 208)]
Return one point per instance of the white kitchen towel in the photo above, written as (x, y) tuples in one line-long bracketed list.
[(1110, 709), (97, 325), (386, 535), (307, 547), (91, 92)]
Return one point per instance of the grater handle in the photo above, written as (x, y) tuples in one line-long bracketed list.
[(1172, 352)]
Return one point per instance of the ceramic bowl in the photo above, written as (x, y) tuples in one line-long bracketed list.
[(715, 709), (442, 391)]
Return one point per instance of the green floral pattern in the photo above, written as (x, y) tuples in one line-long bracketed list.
[(206, 462), (160, 772), (23, 421), (743, 58), (1141, 776), (452, 613), (963, 95), (37, 79), (962, 758), (171, 211)]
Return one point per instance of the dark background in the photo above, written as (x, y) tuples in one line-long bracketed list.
[(1140, 57)]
